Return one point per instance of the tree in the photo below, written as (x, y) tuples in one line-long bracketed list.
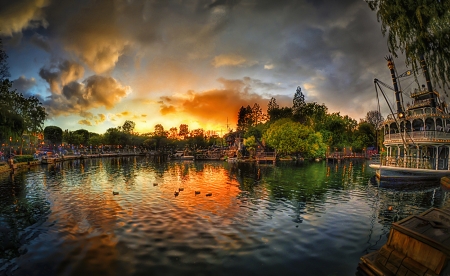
[(420, 29), (84, 134), (257, 114), (53, 134), (272, 105), (173, 133), (128, 127), (289, 137), (159, 131), (374, 118), (18, 114), (184, 131), (4, 68), (299, 99), (245, 118)]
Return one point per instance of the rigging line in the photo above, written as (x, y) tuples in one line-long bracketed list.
[(379, 113), (395, 119)]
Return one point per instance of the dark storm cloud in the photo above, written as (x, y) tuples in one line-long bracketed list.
[(24, 85), (41, 41)]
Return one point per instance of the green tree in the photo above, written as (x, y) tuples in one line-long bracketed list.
[(271, 106), (257, 114), (53, 135), (289, 137), (84, 134), (4, 68), (245, 118), (420, 29), (128, 127), (298, 105), (251, 144)]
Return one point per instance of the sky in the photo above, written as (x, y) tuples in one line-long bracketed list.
[(97, 63)]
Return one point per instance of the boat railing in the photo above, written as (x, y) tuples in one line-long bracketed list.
[(414, 162), (417, 135)]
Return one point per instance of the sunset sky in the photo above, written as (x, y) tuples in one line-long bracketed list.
[(95, 64)]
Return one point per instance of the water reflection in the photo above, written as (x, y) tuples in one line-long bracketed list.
[(65, 219)]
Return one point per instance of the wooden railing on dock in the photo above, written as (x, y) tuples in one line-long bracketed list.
[(262, 157), (338, 156)]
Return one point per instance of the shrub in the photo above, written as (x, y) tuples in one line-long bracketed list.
[(23, 158)]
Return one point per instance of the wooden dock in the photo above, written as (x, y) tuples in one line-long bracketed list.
[(266, 157), (340, 156)]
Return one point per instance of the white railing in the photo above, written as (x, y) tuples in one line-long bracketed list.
[(413, 136), (412, 162)]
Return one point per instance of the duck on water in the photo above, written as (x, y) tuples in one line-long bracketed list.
[(417, 138)]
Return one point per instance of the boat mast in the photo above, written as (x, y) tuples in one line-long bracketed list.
[(400, 110), (427, 78)]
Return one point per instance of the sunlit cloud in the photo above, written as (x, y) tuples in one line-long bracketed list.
[(78, 97), (60, 74), (84, 122), (19, 15), (231, 60)]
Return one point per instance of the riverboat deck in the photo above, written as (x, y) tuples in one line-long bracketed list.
[(417, 245)]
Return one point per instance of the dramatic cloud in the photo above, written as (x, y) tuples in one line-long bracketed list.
[(58, 75), (18, 15), (227, 54), (96, 91)]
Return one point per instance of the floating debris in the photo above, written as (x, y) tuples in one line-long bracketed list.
[(209, 194), (155, 184), (176, 193), (197, 192), (115, 193), (180, 189)]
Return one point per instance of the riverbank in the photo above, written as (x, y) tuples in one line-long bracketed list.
[(4, 167)]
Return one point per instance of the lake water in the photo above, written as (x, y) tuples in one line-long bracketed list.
[(305, 219)]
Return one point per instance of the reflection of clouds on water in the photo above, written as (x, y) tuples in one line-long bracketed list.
[(255, 214)]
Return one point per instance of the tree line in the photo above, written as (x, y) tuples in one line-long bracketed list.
[(305, 128)]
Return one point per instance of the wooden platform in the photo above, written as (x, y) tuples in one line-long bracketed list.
[(417, 245)]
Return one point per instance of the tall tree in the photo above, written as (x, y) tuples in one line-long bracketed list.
[(257, 114), (4, 68), (374, 118), (128, 127), (184, 131), (159, 131), (271, 106), (299, 99), (420, 29)]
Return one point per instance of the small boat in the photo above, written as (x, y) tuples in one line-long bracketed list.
[(417, 138)]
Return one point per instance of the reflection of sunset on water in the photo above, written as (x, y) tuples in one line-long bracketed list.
[(120, 216)]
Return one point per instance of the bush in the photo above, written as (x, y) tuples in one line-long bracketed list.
[(23, 158)]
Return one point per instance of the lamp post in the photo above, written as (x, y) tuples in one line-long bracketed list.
[(10, 144)]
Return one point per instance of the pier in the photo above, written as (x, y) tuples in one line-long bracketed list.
[(266, 157), (339, 156)]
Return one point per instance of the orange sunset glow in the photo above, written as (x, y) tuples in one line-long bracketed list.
[(96, 64)]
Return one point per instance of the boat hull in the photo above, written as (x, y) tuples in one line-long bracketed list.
[(400, 173)]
